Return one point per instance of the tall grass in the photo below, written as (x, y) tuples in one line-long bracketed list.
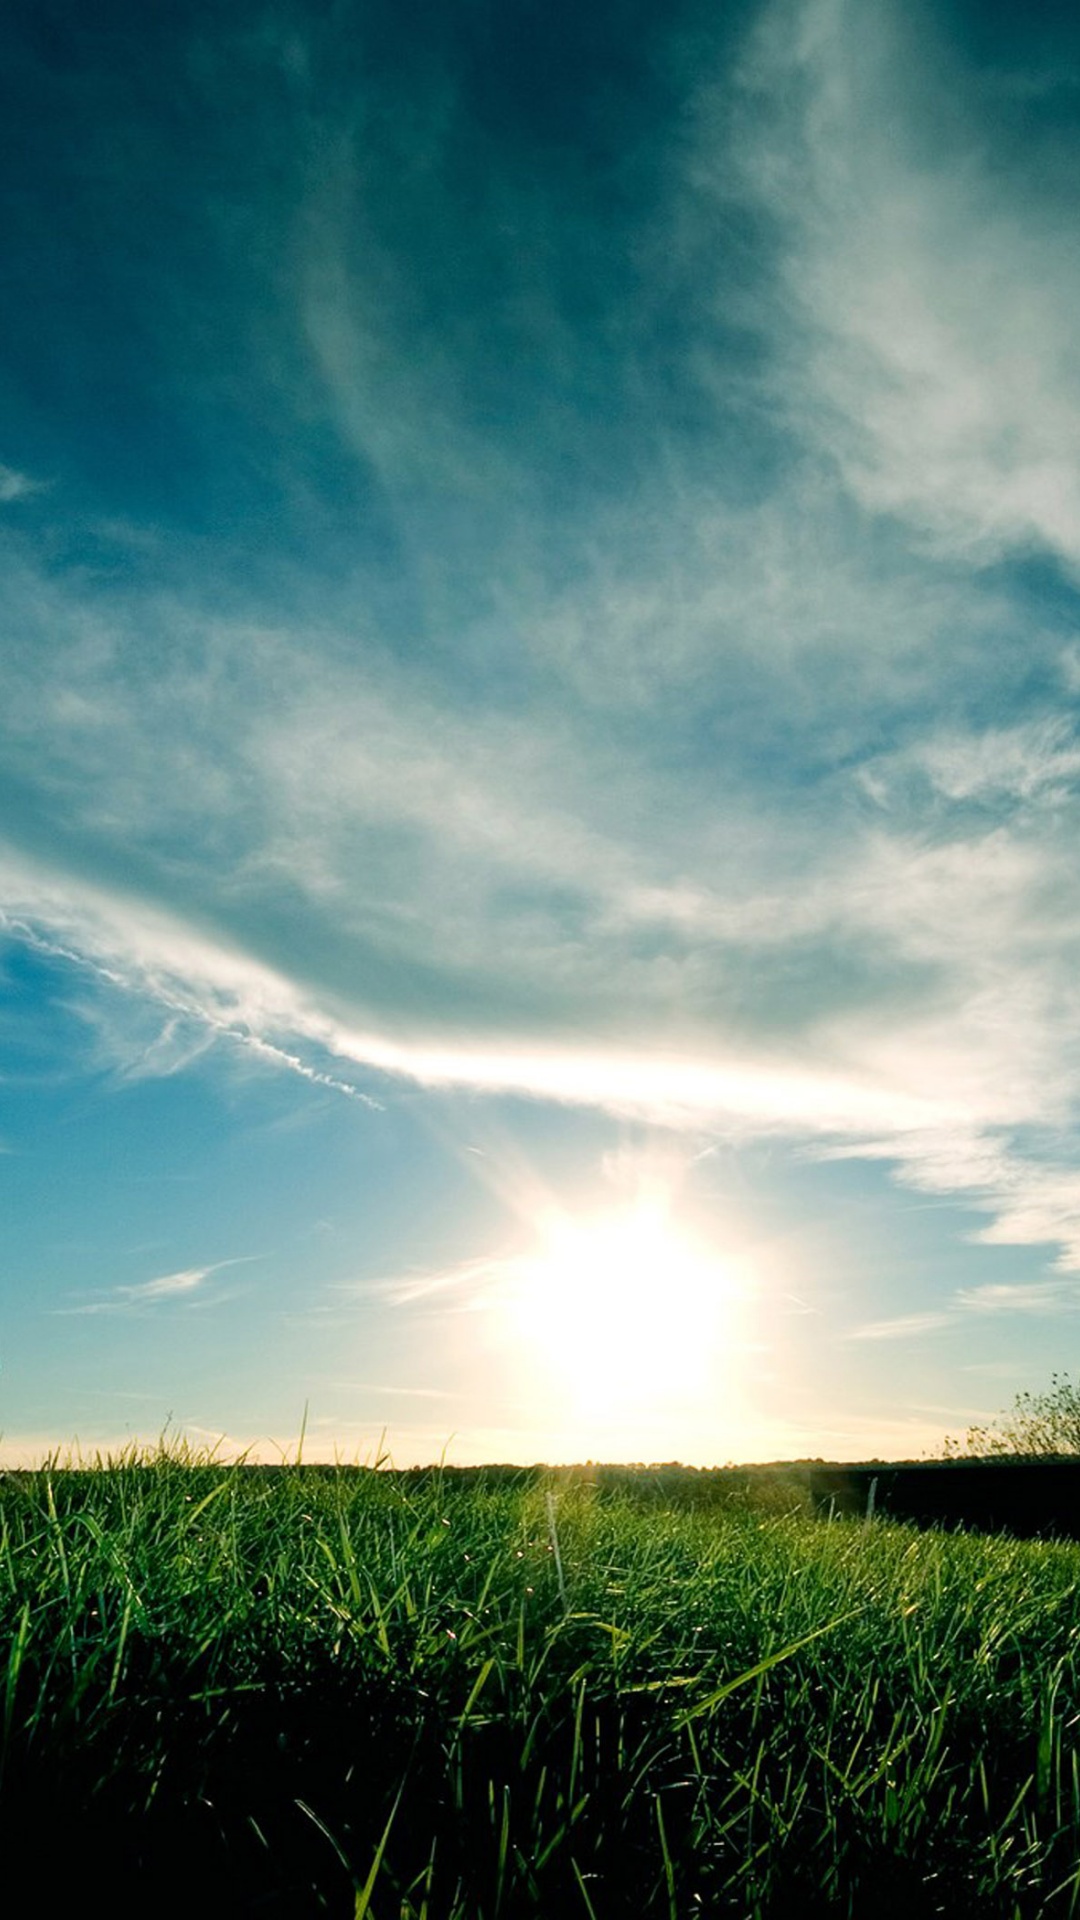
[(323, 1691)]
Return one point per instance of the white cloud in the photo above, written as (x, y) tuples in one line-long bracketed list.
[(1044, 1298), (1015, 1175), (1036, 759), (166, 1285), (147, 953), (935, 1076), (17, 486), (1008, 769), (623, 940), (182, 1285), (905, 1326), (931, 293), (1034, 1296)]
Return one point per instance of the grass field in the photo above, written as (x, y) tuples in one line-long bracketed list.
[(358, 1693)]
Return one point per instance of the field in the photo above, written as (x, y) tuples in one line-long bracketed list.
[(312, 1691)]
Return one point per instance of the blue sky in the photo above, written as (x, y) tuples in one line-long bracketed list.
[(539, 660)]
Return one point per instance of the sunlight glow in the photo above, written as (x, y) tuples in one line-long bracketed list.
[(623, 1310)]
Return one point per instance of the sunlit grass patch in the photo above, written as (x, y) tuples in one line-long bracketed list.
[(329, 1691)]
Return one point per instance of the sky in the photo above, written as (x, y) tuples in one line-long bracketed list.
[(539, 749)]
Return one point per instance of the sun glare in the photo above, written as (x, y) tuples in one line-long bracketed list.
[(624, 1311)]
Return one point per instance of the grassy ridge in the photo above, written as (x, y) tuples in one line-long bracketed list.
[(356, 1694)]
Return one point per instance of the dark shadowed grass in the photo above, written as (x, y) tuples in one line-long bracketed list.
[(357, 1693)]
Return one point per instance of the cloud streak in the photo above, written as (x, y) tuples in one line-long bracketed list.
[(1041, 1299), (906, 1326), (17, 486), (934, 354), (167, 1288)]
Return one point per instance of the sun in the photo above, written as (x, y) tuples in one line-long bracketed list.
[(623, 1310)]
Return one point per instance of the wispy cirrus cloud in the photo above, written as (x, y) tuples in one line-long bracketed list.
[(133, 1297), (17, 486), (167, 1285), (1006, 770), (929, 289), (905, 1326), (1043, 1299), (1040, 1297)]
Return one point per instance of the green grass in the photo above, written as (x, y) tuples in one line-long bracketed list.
[(320, 1691)]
